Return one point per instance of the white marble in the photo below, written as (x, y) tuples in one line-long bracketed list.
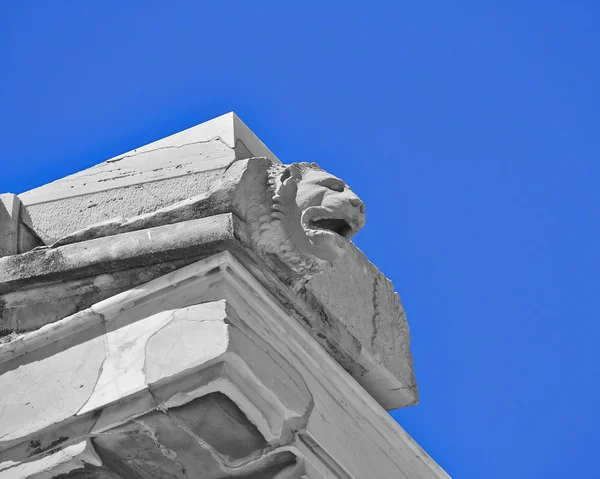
[(270, 360), (68, 459)]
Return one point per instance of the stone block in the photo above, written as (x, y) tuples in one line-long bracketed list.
[(364, 300), (145, 179), (77, 456)]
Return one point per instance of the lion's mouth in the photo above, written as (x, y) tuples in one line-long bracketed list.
[(335, 225)]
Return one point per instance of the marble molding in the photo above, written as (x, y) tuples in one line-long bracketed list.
[(203, 314), (127, 365)]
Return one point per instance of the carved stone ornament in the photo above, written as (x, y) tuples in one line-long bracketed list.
[(300, 217)]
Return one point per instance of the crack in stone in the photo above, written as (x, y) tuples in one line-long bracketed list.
[(160, 200), (106, 349), (145, 365), (376, 312), (236, 468), (172, 147), (170, 454)]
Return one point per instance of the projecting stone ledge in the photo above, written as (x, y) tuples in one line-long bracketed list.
[(227, 327), (49, 284), (197, 373)]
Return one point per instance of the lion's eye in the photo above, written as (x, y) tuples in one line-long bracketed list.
[(333, 184)]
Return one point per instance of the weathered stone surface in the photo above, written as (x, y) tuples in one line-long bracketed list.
[(198, 238), (222, 425), (28, 309), (297, 218), (129, 250), (16, 235), (143, 180), (9, 224), (355, 291), (267, 378), (71, 458), (134, 331), (223, 326), (209, 437), (146, 344), (49, 383)]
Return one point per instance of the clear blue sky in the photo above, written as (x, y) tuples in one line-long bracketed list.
[(471, 132)]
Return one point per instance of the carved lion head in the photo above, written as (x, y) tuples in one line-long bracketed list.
[(310, 219)]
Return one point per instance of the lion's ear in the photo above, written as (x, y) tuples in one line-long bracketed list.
[(285, 192), (291, 172)]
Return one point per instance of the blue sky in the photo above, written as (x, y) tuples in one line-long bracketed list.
[(471, 132)]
